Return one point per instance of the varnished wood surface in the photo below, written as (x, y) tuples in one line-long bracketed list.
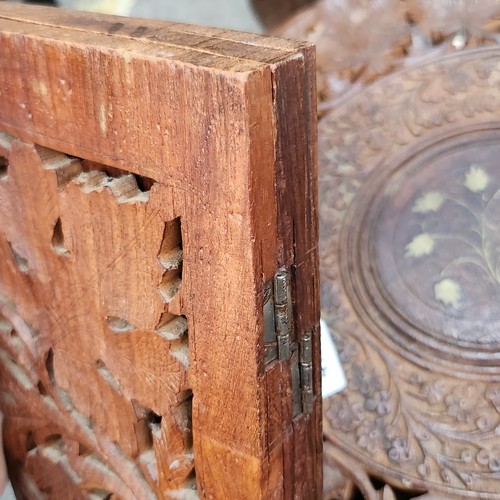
[(218, 127)]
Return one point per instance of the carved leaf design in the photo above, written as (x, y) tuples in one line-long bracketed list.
[(450, 16), (351, 38), (85, 378), (491, 235), (387, 493)]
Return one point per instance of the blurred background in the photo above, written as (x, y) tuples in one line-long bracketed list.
[(245, 15)]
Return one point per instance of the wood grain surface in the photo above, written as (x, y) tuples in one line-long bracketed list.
[(153, 178)]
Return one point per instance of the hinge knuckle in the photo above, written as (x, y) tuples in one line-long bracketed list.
[(282, 319), (269, 323), (307, 401), (296, 387), (277, 316), (283, 348), (281, 287), (306, 348), (306, 375), (306, 372)]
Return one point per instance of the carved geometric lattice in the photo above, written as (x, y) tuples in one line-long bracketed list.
[(93, 348)]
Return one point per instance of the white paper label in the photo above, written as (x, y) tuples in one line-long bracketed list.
[(333, 379)]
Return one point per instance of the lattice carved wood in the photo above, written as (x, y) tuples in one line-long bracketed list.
[(154, 179), (94, 348), (409, 213)]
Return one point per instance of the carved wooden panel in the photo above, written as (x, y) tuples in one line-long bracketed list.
[(95, 351), (154, 180), (409, 183)]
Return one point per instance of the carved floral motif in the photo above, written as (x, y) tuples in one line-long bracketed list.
[(435, 424), (482, 254)]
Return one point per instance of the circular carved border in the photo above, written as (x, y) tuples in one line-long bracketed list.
[(366, 258)]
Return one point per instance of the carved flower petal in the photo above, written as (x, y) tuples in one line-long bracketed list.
[(494, 464), (476, 179), (483, 457), (423, 470), (431, 201), (448, 292), (423, 244)]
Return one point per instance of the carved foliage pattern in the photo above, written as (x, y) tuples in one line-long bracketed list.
[(93, 346), (418, 427)]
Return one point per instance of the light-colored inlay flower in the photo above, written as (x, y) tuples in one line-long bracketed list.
[(448, 292), (476, 179), (431, 201), (422, 244)]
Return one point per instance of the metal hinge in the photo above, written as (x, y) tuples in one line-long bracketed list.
[(278, 323), (302, 377), (278, 316), (306, 373)]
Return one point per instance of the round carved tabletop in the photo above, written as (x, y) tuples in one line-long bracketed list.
[(410, 263)]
